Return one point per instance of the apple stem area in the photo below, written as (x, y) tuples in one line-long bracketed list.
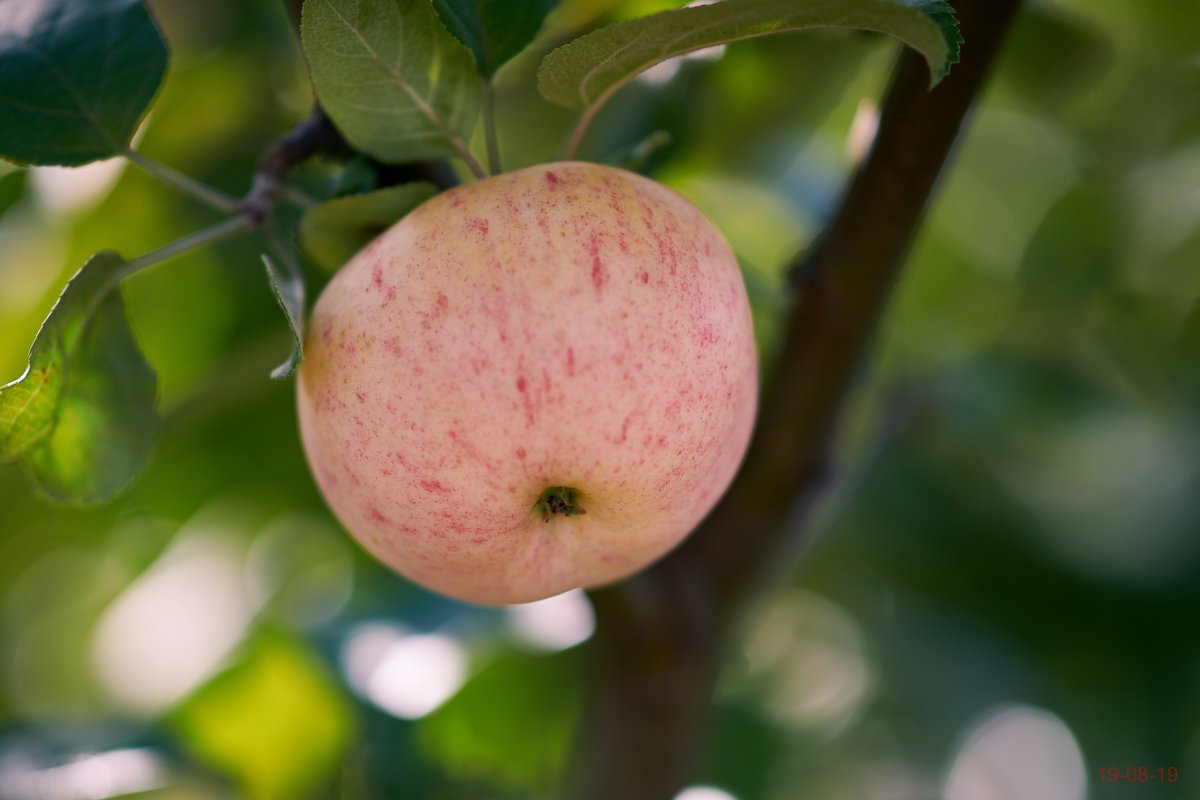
[(558, 500)]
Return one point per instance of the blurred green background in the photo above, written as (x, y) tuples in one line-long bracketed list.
[(1001, 601)]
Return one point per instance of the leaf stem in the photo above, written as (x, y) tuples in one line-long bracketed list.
[(225, 229), (585, 119), (202, 192), (296, 197), (489, 129), (472, 163)]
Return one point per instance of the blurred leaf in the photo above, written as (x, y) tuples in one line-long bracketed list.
[(76, 77), (494, 30), (585, 72), (335, 230), (83, 413), (395, 82), (301, 568), (740, 750), (356, 176), (1059, 53), (288, 288), (1142, 343), (511, 724), (275, 722), (12, 186), (1077, 252), (1187, 348)]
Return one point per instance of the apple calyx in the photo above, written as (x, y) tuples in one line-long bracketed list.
[(558, 500)]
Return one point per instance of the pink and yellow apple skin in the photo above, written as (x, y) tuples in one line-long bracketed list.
[(566, 325)]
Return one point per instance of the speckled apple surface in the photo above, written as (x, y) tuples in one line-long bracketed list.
[(568, 324)]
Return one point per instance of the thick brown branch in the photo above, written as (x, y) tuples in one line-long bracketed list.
[(660, 635)]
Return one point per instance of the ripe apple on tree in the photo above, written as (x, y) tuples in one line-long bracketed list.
[(534, 382), (540, 380)]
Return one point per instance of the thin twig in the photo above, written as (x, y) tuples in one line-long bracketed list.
[(489, 129), (469, 159), (204, 193), (225, 229), (575, 138), (312, 135)]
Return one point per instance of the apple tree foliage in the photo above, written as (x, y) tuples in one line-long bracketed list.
[(402, 80)]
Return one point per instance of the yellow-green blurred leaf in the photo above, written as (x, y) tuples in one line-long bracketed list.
[(275, 723)]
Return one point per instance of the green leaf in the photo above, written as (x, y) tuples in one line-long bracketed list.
[(335, 230), (76, 77), (288, 288), (494, 30), (584, 73), (359, 174), (82, 416), (397, 85), (276, 722), (500, 728), (12, 186)]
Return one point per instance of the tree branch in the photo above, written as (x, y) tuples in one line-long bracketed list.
[(660, 635), (311, 135)]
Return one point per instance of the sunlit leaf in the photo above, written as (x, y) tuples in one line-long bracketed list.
[(335, 230), (394, 81), (494, 30), (76, 77), (275, 723), (288, 288), (82, 415), (585, 72)]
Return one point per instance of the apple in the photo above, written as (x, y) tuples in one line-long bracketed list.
[(534, 382)]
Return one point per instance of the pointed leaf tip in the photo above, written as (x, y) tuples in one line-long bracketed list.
[(289, 293), (583, 73)]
